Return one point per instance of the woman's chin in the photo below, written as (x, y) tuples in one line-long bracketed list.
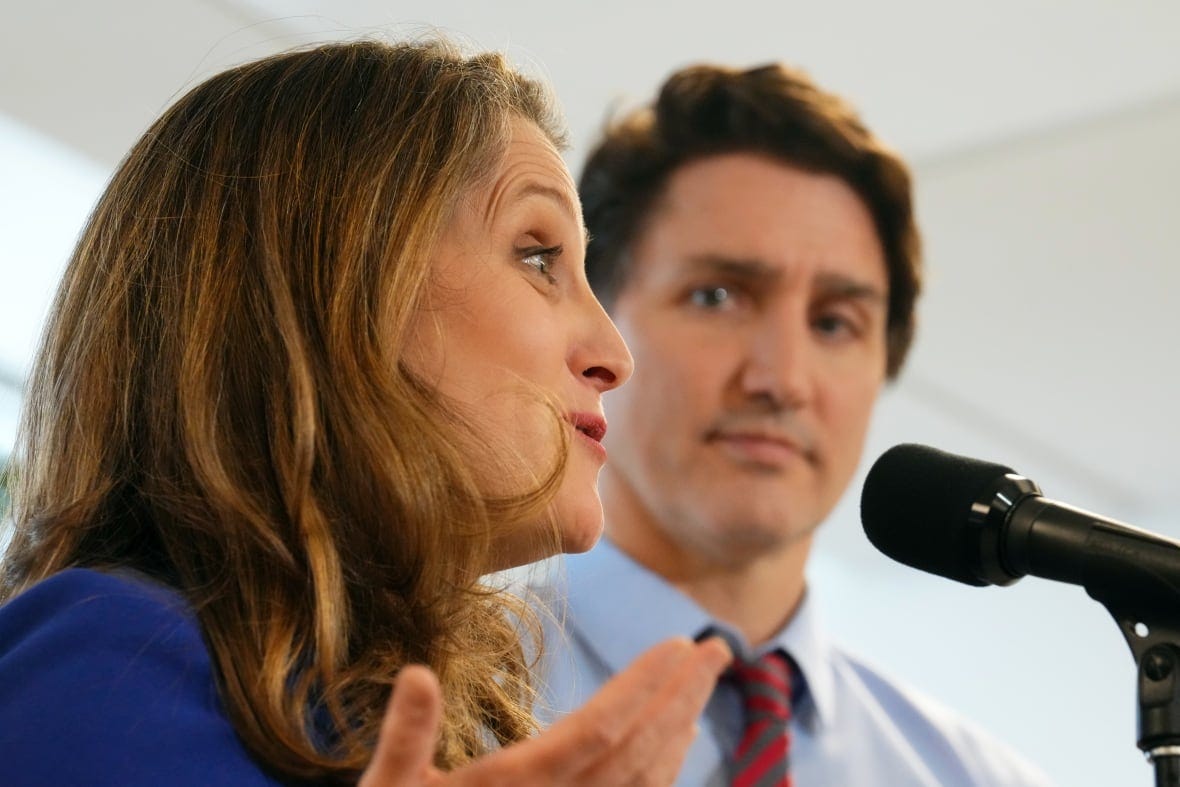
[(582, 530)]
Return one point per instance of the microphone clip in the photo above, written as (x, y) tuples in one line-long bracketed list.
[(1154, 640)]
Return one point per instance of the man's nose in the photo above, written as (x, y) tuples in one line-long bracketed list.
[(779, 366)]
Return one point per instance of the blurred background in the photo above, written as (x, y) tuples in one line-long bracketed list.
[(1044, 137)]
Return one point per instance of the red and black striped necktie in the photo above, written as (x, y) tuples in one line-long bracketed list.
[(762, 758)]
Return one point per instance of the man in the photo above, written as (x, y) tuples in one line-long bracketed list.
[(756, 246)]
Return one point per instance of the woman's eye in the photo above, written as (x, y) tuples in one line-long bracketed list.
[(541, 258), (710, 297)]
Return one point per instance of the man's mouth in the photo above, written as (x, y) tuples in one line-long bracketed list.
[(762, 446)]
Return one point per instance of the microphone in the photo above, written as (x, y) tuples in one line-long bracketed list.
[(982, 524)]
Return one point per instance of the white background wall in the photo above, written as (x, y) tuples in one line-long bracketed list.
[(1044, 138)]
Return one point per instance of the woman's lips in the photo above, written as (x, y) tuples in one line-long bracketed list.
[(590, 428)]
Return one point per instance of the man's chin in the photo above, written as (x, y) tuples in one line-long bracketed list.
[(761, 532)]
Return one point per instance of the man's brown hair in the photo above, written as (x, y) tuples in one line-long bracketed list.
[(771, 110)]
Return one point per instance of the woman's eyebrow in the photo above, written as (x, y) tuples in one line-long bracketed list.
[(536, 188), (560, 196)]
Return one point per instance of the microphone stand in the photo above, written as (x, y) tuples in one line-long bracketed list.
[(1137, 586), (1157, 654)]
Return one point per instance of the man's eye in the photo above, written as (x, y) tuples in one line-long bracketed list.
[(835, 325), (710, 297)]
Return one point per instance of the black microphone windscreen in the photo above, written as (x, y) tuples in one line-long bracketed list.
[(916, 504)]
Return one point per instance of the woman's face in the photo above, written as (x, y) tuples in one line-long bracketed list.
[(511, 322)]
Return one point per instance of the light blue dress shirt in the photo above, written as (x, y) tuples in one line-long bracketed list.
[(851, 725)]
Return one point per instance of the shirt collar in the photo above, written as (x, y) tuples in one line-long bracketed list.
[(806, 643), (604, 585)]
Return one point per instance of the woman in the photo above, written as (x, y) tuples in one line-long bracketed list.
[(324, 355)]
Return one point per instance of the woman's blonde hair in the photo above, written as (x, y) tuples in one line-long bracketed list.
[(220, 400)]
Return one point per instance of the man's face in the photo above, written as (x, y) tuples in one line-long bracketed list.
[(755, 310)]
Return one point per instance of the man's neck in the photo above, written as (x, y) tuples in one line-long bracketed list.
[(759, 598), (757, 595)]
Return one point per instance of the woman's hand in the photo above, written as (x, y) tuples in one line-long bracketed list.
[(635, 731)]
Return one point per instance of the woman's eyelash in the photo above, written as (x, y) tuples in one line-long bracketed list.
[(541, 258)]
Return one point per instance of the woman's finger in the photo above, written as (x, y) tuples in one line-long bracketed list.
[(583, 747), (404, 756), (652, 750)]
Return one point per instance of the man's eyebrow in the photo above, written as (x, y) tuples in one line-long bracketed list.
[(755, 271), (837, 285), (745, 268)]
